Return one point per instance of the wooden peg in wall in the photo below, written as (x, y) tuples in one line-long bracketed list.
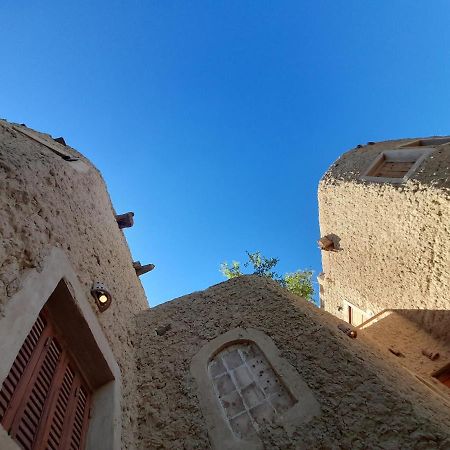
[(430, 354), (325, 243), (140, 269), (125, 220), (395, 351)]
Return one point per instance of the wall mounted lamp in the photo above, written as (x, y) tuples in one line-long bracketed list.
[(101, 295)]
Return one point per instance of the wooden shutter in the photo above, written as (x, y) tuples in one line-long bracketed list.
[(29, 349), (394, 169), (44, 401), (67, 424)]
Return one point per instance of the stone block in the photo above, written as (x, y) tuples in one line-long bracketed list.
[(263, 413), (242, 425), (232, 359), (216, 368), (252, 395), (224, 385), (232, 403), (242, 376)]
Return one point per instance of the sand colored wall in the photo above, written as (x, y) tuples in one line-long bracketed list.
[(394, 250), (364, 403), (396, 331), (48, 202)]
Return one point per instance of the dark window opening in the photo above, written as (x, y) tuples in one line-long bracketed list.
[(443, 375)]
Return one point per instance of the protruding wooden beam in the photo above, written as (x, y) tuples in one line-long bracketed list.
[(430, 354), (140, 269), (395, 351), (125, 220), (325, 243)]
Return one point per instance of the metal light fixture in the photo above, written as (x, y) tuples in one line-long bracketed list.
[(101, 295)]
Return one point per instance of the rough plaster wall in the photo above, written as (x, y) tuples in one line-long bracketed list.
[(364, 403), (45, 203), (398, 332), (394, 246)]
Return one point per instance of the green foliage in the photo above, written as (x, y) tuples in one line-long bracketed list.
[(231, 272), (262, 266), (298, 282)]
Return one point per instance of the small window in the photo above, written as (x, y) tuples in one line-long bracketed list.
[(427, 142), (443, 375), (395, 166), (247, 388)]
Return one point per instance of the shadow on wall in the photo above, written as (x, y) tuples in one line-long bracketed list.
[(434, 321), (411, 335)]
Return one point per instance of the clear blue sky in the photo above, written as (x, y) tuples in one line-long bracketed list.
[(214, 120)]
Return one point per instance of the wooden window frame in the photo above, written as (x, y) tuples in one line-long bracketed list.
[(412, 155)]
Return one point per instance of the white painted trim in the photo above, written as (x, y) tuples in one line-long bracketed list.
[(222, 437), (21, 312), (365, 313)]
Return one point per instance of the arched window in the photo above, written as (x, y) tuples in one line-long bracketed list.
[(244, 385), (247, 388)]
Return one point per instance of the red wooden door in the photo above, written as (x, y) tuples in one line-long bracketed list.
[(44, 401)]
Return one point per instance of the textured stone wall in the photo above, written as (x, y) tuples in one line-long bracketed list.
[(393, 246), (364, 403), (399, 333), (46, 203)]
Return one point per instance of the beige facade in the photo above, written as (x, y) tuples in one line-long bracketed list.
[(49, 203), (243, 364), (364, 402), (390, 241)]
